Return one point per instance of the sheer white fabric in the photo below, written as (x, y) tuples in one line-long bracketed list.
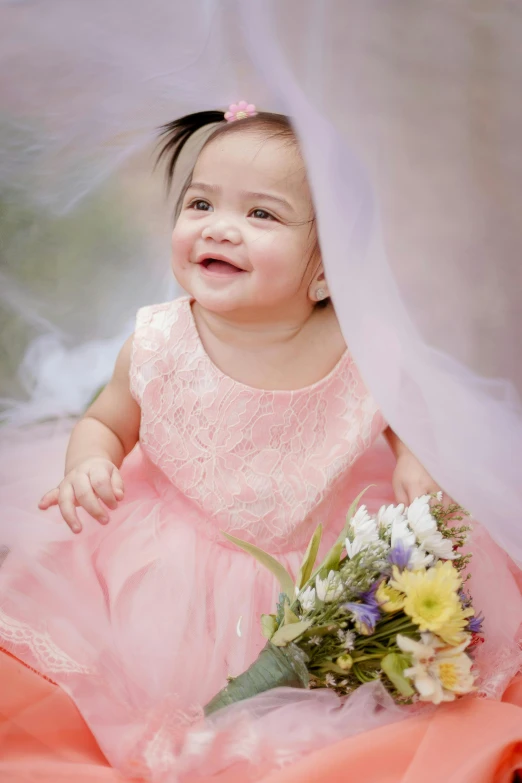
[(410, 123)]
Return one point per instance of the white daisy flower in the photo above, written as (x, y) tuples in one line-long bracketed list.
[(400, 531), (360, 519), (364, 536), (387, 515), (419, 558), (354, 547), (420, 519), (439, 546), (329, 589), (330, 680), (307, 599)]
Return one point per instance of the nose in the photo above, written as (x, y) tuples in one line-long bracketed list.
[(221, 230)]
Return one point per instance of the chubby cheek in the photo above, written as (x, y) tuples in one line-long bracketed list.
[(281, 264), (181, 244)]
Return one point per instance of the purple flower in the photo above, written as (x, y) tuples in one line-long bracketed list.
[(465, 599), (400, 554), (365, 614), (369, 596), (475, 623)]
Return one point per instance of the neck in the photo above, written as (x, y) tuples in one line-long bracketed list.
[(254, 329)]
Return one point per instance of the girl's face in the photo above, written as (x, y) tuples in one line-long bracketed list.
[(244, 236)]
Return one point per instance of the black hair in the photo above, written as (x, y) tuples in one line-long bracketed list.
[(175, 135)]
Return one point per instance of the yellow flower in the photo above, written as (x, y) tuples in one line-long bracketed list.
[(363, 629), (390, 599), (452, 632), (432, 601), (441, 571)]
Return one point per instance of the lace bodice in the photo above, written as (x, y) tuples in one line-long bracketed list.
[(256, 463)]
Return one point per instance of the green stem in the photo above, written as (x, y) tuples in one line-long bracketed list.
[(368, 657), (405, 626), (362, 676)]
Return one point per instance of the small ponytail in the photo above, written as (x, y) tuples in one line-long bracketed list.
[(176, 134)]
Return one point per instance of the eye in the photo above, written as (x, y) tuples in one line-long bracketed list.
[(261, 214), (200, 205)]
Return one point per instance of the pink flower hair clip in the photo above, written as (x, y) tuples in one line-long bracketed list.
[(240, 111)]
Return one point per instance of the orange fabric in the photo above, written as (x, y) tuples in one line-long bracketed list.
[(43, 739), (470, 741)]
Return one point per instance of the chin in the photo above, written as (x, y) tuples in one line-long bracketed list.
[(218, 301)]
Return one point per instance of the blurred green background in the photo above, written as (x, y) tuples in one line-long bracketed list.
[(60, 271)]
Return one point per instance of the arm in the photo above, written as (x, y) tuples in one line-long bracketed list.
[(410, 478), (395, 443), (99, 442), (110, 427)]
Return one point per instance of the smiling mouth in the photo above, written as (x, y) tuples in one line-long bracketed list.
[(217, 266)]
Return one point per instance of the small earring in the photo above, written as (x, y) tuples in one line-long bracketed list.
[(320, 294)]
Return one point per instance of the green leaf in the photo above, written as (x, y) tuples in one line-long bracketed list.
[(279, 571), (268, 625), (353, 507), (393, 665), (307, 566), (332, 557), (321, 630), (290, 617), (288, 633)]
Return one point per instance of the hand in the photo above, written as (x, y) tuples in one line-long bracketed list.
[(94, 480), (411, 479)]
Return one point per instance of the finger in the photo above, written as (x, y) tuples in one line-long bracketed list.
[(414, 490), (401, 494), (67, 505), (49, 499), (100, 479), (117, 484), (86, 498), (418, 489)]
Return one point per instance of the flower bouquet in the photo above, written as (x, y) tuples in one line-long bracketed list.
[(386, 603)]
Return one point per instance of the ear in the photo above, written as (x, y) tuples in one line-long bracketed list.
[(318, 288)]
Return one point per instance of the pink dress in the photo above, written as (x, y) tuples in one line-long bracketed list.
[(141, 621)]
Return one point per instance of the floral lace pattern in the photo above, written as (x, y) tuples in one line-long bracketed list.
[(243, 454), (499, 669), (43, 654)]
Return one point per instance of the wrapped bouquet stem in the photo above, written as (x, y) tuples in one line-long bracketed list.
[(387, 602), (275, 667)]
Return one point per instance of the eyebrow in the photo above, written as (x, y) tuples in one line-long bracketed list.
[(244, 193)]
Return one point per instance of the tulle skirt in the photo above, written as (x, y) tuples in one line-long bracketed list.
[(135, 626)]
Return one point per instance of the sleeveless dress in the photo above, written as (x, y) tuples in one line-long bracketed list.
[(138, 624)]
